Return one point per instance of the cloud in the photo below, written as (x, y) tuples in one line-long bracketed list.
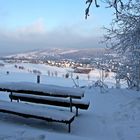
[(37, 27), (35, 36)]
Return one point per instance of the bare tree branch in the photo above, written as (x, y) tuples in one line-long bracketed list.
[(116, 4), (87, 9)]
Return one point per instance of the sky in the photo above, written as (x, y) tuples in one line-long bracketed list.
[(27, 25)]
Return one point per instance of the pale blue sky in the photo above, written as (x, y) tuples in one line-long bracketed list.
[(39, 24)]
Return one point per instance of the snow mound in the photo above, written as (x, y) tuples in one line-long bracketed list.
[(129, 111)]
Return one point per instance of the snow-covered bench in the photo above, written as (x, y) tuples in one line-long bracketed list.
[(43, 90), (55, 101), (37, 112)]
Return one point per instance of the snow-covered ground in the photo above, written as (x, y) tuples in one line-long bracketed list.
[(28, 68), (113, 114)]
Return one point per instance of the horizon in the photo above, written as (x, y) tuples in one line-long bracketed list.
[(51, 49)]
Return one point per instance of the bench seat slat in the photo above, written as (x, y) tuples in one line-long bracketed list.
[(41, 89), (34, 111)]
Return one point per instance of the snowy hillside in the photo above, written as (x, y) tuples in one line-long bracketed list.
[(52, 72), (113, 114), (60, 54)]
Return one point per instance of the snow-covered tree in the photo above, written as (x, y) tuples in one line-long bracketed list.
[(124, 37)]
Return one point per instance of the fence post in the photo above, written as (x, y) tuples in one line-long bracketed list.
[(38, 79)]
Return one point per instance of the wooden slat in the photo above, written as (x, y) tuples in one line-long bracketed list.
[(41, 89), (23, 111), (49, 100)]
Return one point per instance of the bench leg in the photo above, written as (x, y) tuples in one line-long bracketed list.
[(69, 127), (76, 111), (11, 98), (70, 104)]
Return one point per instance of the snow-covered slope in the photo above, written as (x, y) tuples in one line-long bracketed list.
[(60, 54), (52, 72), (112, 115)]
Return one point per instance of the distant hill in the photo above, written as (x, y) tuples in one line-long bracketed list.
[(59, 54)]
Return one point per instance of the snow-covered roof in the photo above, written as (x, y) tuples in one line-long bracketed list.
[(48, 90)]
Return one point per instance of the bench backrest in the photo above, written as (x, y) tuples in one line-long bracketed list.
[(65, 102)]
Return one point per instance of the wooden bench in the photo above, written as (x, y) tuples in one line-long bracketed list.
[(30, 88), (37, 112), (55, 101)]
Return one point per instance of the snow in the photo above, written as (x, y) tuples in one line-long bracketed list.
[(35, 110), (65, 100), (69, 51), (112, 115), (42, 88), (61, 72)]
